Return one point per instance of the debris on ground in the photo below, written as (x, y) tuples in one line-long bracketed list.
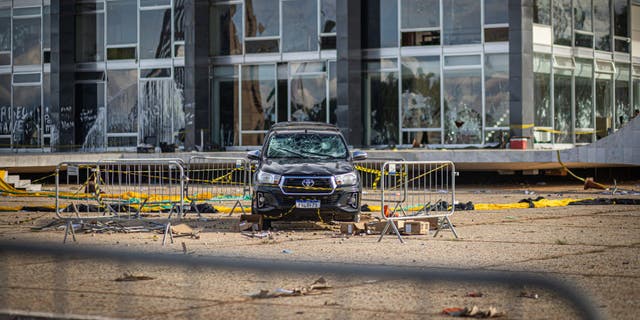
[(183, 230), (319, 286), (287, 251), (103, 226), (473, 312), (132, 277), (475, 294), (258, 235), (530, 295)]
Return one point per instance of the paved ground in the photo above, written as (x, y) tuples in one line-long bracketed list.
[(596, 248)]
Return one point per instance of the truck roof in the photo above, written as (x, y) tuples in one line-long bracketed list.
[(303, 125)]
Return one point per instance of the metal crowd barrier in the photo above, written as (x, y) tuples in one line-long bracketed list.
[(76, 190), (371, 177), (218, 180), (133, 185), (415, 190)]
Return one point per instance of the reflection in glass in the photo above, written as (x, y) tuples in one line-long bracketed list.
[(562, 106), (333, 92), (48, 114), (5, 30), (562, 22), (602, 24), (226, 29), (380, 23), (5, 106), (604, 111), (301, 31), (622, 106), (461, 21), (27, 122), (258, 99), (542, 94), (421, 95), (582, 15), (90, 115), (542, 11), (155, 37), (122, 101), (636, 98), (463, 106), (90, 37), (620, 18), (26, 41), (178, 19), (420, 14), (584, 100), (122, 22), (46, 26), (496, 11), (263, 18), (161, 111), (226, 95), (328, 16), (308, 98), (381, 103), (496, 88)]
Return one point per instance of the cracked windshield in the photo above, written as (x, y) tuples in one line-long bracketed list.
[(311, 145)]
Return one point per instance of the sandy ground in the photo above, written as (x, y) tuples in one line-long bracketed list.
[(594, 248)]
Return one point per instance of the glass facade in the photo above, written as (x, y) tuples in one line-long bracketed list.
[(434, 73)]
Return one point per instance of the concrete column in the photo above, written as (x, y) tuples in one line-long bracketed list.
[(521, 113), (63, 73), (198, 115), (349, 68)]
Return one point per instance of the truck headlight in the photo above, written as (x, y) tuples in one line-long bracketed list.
[(347, 179), (267, 178)]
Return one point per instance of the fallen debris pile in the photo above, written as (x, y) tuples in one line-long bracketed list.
[(319, 286), (473, 312)]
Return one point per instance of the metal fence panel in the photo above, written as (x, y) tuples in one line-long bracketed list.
[(221, 180), (414, 190)]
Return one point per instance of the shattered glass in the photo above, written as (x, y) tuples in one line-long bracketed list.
[(258, 99), (623, 107), (122, 101), (562, 106), (584, 100), (90, 115), (162, 112), (308, 98), (307, 146), (463, 106)]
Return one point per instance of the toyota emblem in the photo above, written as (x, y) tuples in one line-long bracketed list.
[(307, 183)]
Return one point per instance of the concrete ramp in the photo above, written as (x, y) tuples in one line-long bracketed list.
[(622, 148)]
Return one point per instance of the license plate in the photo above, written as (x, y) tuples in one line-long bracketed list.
[(308, 204)]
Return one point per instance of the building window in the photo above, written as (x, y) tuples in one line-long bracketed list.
[(122, 105), (259, 96), (463, 99), (299, 25), (122, 29), (226, 29), (562, 98), (421, 100), (262, 26), (461, 22), (5, 111), (604, 93), (90, 115), (226, 100), (621, 26), (623, 110), (562, 22), (380, 24), (89, 32), (26, 36), (602, 25), (380, 102), (308, 92), (542, 11), (542, 97), (582, 18), (584, 123), (496, 87), (155, 37), (420, 22), (27, 114), (328, 24), (496, 20)]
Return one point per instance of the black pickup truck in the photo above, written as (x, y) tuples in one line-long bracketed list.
[(305, 172)]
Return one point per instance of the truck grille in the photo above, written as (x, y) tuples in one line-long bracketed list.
[(307, 185)]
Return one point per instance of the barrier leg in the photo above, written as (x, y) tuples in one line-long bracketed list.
[(69, 229), (167, 230)]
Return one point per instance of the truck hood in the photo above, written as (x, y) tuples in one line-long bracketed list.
[(299, 167)]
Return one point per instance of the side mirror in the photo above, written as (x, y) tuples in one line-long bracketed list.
[(253, 155), (359, 155)]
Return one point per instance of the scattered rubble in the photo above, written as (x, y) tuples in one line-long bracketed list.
[(319, 286), (473, 312), (132, 277)]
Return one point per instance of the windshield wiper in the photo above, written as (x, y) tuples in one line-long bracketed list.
[(297, 154)]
